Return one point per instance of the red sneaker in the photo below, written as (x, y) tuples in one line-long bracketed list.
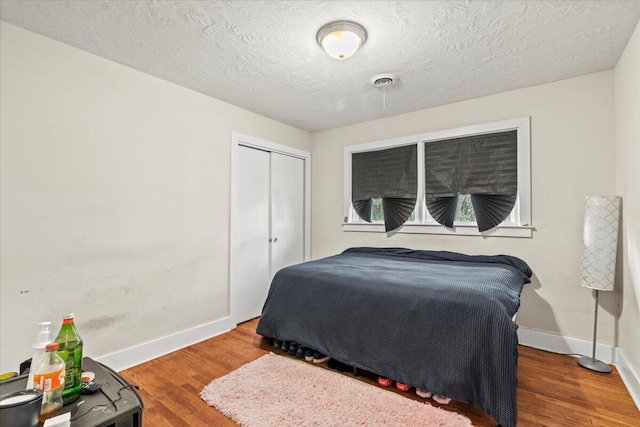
[(402, 386), (385, 382)]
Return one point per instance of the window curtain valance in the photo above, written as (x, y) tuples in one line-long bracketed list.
[(484, 166), (390, 174)]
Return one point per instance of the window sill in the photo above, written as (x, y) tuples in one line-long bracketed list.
[(459, 230)]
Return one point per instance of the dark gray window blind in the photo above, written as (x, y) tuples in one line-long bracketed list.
[(390, 174), (484, 166)]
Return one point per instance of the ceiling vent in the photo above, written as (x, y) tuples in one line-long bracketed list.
[(383, 80)]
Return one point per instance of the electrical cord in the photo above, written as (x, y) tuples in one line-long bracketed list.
[(103, 405), (561, 354)]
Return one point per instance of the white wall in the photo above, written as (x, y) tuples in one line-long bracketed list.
[(627, 126), (115, 195), (573, 155), (114, 198)]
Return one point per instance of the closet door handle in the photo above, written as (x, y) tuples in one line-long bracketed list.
[(275, 239)]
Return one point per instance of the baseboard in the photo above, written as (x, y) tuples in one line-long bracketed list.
[(630, 376), (573, 346), (149, 350), (132, 356), (565, 345)]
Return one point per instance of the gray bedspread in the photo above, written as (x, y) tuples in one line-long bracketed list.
[(439, 321)]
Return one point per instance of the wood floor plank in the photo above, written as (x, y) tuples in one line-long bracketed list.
[(553, 390)]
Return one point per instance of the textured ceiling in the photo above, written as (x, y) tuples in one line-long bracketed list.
[(263, 55)]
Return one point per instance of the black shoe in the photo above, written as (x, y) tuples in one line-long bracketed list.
[(337, 365), (270, 341), (319, 357), (275, 343), (285, 346), (308, 354), (293, 348), (343, 367), (300, 352)]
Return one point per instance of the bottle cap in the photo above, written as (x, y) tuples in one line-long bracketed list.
[(68, 316), (52, 346)]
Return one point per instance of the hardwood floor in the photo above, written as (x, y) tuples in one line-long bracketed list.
[(552, 389)]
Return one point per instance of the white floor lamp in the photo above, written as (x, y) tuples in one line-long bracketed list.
[(601, 219)]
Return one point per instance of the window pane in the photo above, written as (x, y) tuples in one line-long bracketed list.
[(464, 212), (377, 213), (376, 210)]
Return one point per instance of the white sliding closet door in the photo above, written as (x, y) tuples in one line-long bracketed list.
[(252, 239), (287, 211), (269, 212)]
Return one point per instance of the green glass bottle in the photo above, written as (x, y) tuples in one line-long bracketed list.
[(70, 350)]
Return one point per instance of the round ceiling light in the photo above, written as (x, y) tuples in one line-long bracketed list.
[(341, 39)]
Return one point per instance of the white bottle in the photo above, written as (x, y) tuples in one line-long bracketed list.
[(39, 346)]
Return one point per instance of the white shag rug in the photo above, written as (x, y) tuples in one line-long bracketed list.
[(282, 391)]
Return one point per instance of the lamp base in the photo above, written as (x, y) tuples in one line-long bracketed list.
[(593, 364)]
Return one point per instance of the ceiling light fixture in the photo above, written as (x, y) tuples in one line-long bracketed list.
[(341, 39)]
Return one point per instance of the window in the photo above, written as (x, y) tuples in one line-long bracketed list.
[(482, 166), (389, 175), (486, 167)]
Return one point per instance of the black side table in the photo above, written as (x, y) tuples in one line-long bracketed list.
[(116, 404)]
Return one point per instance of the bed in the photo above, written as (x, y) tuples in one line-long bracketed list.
[(439, 321)]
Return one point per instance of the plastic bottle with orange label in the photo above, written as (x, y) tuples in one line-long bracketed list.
[(50, 378)]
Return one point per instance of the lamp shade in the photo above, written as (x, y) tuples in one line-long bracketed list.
[(601, 219), (341, 39)]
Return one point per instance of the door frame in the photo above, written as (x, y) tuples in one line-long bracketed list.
[(237, 140)]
